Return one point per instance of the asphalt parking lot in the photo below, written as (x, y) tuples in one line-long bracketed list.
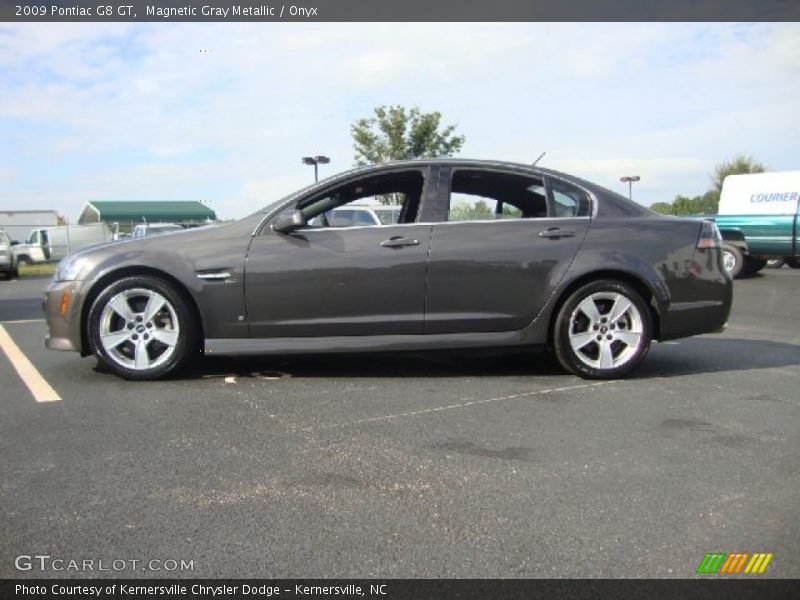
[(424, 465)]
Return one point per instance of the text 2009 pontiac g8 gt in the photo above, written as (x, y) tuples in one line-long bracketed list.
[(483, 254)]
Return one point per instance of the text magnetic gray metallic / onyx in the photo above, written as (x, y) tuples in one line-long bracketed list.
[(484, 254)]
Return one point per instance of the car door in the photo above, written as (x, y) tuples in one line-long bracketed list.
[(503, 242), (323, 280)]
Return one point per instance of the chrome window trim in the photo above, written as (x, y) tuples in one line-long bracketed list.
[(351, 227), (433, 223), (529, 220)]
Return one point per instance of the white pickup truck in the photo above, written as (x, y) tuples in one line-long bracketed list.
[(54, 243), (758, 219)]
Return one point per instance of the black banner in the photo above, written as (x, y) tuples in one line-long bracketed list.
[(399, 10), (402, 589)]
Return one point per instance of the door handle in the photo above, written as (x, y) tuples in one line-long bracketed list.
[(556, 232), (399, 242)]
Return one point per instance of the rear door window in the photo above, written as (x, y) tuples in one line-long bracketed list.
[(488, 196)]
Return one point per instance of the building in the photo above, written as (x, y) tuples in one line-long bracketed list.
[(124, 215), (19, 223)]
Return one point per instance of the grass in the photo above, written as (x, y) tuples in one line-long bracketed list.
[(37, 269)]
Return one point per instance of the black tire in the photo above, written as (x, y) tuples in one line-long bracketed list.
[(793, 262), (775, 263), (140, 354), (571, 323), (752, 265), (732, 259)]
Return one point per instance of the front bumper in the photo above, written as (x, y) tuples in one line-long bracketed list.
[(63, 326)]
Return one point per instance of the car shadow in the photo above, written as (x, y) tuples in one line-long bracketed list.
[(708, 354), (712, 354), (383, 364), (756, 275)]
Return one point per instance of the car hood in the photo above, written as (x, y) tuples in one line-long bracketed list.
[(181, 253)]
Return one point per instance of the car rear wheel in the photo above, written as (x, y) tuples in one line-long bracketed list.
[(141, 328), (732, 260), (793, 262), (603, 330)]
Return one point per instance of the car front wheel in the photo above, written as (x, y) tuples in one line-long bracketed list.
[(603, 330), (141, 328)]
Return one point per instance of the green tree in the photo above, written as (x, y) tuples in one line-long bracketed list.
[(738, 165), (683, 205), (708, 203), (400, 133), (662, 208), (466, 209)]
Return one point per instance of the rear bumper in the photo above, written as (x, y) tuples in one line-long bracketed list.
[(63, 329), (684, 319)]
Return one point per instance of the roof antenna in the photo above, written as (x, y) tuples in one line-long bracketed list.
[(538, 159)]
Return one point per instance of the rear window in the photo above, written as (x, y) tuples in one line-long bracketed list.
[(568, 201)]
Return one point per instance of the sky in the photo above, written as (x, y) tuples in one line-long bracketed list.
[(223, 112)]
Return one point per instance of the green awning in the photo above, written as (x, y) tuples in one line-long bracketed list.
[(152, 210)]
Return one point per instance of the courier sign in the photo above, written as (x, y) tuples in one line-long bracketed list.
[(773, 197)]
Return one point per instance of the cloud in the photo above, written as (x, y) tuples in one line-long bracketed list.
[(136, 110)]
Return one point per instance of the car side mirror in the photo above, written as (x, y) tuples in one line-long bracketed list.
[(289, 221), (14, 243)]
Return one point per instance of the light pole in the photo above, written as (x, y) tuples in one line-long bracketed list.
[(629, 179), (316, 161)]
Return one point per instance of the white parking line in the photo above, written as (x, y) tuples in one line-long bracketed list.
[(23, 321), (425, 411), (41, 390)]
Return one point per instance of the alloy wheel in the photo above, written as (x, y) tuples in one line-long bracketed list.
[(139, 329), (605, 330)]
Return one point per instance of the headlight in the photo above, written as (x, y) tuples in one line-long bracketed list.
[(69, 268)]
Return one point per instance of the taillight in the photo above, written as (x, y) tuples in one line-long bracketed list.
[(709, 236)]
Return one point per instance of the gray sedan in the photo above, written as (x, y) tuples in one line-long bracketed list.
[(482, 254)]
